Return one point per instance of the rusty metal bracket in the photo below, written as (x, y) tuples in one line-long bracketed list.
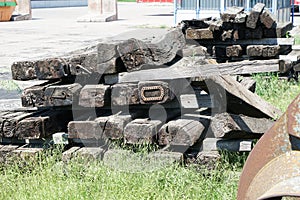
[(272, 169), (152, 88)]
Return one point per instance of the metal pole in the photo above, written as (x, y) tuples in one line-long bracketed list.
[(293, 11)]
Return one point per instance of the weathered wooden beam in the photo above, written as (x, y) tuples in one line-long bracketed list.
[(233, 145), (249, 40), (142, 131), (230, 13), (101, 59), (267, 18), (197, 23), (24, 70), (52, 68), (10, 121), (232, 87), (95, 96), (234, 51), (137, 55), (253, 17), (225, 125), (125, 94), (43, 125), (180, 132), (62, 95), (196, 101), (188, 68), (5, 152), (262, 50), (256, 33), (116, 124), (278, 30), (26, 152), (286, 62), (199, 34), (87, 129), (249, 83), (35, 96), (69, 154), (227, 35), (90, 153)]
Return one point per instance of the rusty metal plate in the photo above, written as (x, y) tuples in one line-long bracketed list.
[(274, 149)]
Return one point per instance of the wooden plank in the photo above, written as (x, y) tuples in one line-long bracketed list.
[(253, 17), (62, 95), (225, 125), (230, 13), (256, 33), (267, 18), (227, 35), (196, 23), (115, 125), (278, 30), (236, 89), (271, 40), (265, 51), (35, 96), (142, 131), (100, 59), (24, 70), (137, 54), (196, 101), (5, 152), (10, 121), (87, 129), (194, 50), (51, 68), (90, 153), (69, 154), (199, 34), (43, 125), (248, 83), (234, 51), (27, 152), (233, 145), (286, 62), (95, 96), (125, 94), (187, 68), (164, 158), (182, 132)]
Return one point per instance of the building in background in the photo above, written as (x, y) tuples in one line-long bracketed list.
[(195, 9)]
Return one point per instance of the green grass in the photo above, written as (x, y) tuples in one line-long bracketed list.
[(48, 178), (297, 39), (279, 93), (9, 85)]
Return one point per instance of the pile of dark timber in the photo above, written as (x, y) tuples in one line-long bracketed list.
[(240, 35), (159, 91)]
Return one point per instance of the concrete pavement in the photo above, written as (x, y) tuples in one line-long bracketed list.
[(55, 31)]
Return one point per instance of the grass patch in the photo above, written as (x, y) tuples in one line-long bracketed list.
[(9, 85), (48, 178), (297, 39), (279, 93)]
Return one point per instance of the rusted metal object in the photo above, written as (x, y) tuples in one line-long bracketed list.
[(273, 167)]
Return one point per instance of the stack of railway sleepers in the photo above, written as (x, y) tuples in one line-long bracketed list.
[(240, 35), (140, 92)]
